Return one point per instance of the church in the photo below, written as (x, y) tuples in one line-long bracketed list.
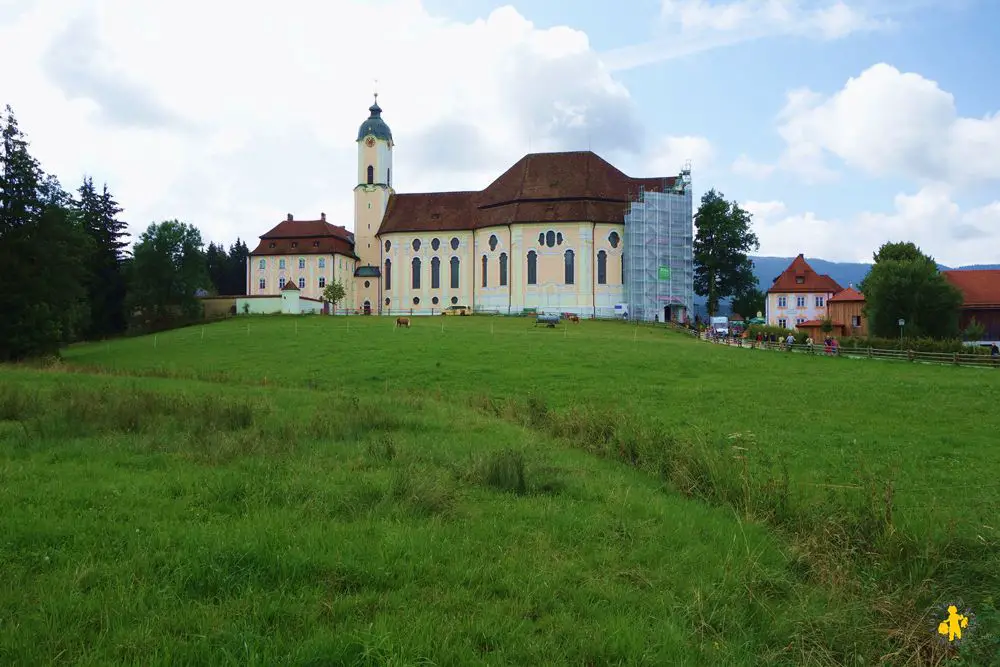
[(559, 232)]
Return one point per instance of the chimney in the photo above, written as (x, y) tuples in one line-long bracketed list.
[(290, 217), (322, 216)]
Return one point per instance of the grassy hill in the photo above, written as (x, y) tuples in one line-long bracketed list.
[(478, 491)]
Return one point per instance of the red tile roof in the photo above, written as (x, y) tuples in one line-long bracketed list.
[(800, 277), (980, 287), (290, 285), (306, 237), (540, 187), (848, 294)]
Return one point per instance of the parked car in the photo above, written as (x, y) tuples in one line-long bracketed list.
[(457, 310)]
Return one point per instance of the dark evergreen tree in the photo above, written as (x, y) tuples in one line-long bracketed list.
[(217, 266), (239, 255), (43, 250), (98, 214)]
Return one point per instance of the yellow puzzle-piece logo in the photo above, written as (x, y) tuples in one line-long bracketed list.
[(952, 626)]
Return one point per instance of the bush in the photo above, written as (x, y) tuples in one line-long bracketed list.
[(915, 344)]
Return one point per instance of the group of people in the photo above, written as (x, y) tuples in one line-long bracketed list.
[(771, 340)]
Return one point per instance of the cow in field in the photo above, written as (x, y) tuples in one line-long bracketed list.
[(403, 322), (574, 318)]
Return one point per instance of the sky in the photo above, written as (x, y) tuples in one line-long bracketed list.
[(839, 124)]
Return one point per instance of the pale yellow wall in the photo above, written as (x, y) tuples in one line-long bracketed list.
[(401, 253), (370, 202), (337, 267), (792, 312), (550, 292)]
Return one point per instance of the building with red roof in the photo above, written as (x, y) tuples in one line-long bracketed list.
[(799, 295), (980, 298)]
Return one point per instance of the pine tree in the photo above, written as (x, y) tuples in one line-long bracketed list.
[(98, 214), (43, 251), (239, 255)]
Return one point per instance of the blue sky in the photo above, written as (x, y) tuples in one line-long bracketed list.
[(231, 132)]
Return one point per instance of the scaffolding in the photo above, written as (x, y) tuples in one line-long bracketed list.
[(659, 251)]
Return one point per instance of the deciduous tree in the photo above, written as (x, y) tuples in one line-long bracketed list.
[(334, 293), (750, 302), (167, 269), (722, 267), (904, 283)]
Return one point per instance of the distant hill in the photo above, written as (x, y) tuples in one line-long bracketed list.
[(766, 269)]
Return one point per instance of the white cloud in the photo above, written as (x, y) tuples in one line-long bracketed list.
[(235, 118), (693, 26), (744, 166), (889, 123), (930, 218)]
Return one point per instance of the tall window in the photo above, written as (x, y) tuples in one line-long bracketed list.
[(493, 242), (302, 263), (322, 262), (322, 282), (262, 284), (302, 283), (416, 273), (388, 176), (485, 266), (454, 272), (281, 282), (371, 174), (435, 273), (263, 263), (569, 267), (602, 268), (388, 275), (281, 263), (532, 267), (623, 269), (503, 269)]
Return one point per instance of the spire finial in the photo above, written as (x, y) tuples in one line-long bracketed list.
[(376, 91)]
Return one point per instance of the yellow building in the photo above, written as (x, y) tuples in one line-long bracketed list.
[(549, 233)]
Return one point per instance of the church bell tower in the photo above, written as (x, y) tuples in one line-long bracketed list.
[(371, 196)]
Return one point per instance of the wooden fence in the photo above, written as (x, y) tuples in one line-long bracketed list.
[(950, 358)]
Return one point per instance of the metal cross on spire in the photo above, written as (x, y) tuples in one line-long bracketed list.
[(376, 91)]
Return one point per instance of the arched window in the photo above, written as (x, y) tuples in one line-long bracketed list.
[(416, 245), (454, 243), (416, 273), (503, 269), (371, 174), (485, 267), (569, 267), (614, 239), (387, 245), (387, 278), (435, 244), (435, 273), (602, 268), (493, 242), (454, 272), (550, 238), (532, 267), (388, 177)]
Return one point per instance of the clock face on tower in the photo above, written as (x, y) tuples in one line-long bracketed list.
[(370, 141)]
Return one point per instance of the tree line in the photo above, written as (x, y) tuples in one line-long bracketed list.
[(69, 274), (904, 283)]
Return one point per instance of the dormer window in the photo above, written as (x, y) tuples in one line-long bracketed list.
[(271, 244), (315, 244), (295, 244), (799, 280)]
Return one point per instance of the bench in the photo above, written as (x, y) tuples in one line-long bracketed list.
[(548, 320)]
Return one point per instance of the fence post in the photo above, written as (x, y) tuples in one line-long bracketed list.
[(909, 355), (869, 351), (956, 358)]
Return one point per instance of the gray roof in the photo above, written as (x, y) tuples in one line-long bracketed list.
[(375, 125)]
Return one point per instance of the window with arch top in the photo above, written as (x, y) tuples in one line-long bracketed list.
[(532, 267), (387, 278), (485, 267), (569, 257), (503, 269), (454, 272), (371, 175), (602, 268), (435, 272), (416, 273)]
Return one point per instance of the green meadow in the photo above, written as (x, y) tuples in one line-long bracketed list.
[(337, 491)]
